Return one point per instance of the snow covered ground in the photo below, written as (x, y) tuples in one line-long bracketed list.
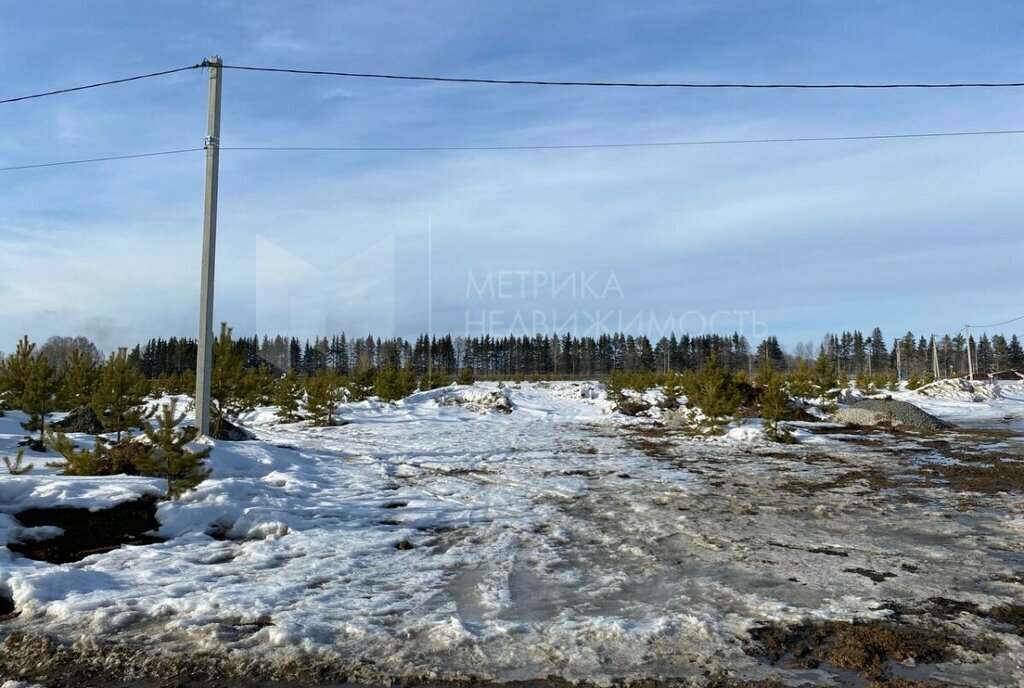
[(437, 537)]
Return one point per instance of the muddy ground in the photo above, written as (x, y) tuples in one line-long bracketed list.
[(909, 522)]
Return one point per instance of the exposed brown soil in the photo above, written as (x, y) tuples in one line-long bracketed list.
[(990, 477), (1011, 615), (88, 532), (39, 658), (651, 448), (984, 471), (870, 479), (867, 648), (876, 576), (632, 407)]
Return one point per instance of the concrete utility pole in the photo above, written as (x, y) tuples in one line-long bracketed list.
[(204, 358), (935, 359), (970, 364)]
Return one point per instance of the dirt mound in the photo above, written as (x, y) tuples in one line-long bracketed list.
[(897, 414), (479, 401)]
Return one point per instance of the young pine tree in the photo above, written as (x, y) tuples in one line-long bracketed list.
[(170, 456), (325, 389), (392, 385), (466, 376), (17, 466), (674, 389), (39, 396), (364, 377), (775, 405), (119, 394), (259, 388), (865, 383), (714, 391), (287, 394), (79, 461), (78, 378), (14, 372), (801, 384), (229, 384), (824, 379)]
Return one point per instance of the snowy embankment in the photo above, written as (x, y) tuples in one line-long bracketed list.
[(445, 535), (971, 404)]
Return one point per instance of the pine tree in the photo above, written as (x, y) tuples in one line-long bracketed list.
[(775, 406), (39, 396), (466, 376), (78, 378), (17, 466), (824, 379), (714, 391), (170, 457), (801, 384), (77, 461), (228, 383), (865, 383), (287, 394), (363, 378), (14, 372), (392, 385), (324, 391), (119, 394), (673, 388)]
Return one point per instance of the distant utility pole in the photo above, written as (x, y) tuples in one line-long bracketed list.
[(935, 359), (204, 358), (970, 364)]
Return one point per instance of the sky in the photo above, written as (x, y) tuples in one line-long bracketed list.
[(788, 239)]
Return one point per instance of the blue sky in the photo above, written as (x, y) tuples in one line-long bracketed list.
[(798, 239)]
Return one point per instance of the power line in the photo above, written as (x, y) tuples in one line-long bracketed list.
[(571, 146), (651, 144), (627, 84), (88, 160), (1005, 322), (102, 83)]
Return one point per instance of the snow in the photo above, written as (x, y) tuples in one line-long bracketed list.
[(548, 540), (971, 404)]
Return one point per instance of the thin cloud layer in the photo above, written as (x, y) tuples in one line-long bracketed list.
[(812, 237)]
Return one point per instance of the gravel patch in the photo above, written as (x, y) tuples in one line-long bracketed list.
[(870, 412)]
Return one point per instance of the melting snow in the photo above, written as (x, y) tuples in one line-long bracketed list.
[(549, 540)]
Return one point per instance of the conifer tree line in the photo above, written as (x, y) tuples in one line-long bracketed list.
[(568, 356), (310, 380)]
